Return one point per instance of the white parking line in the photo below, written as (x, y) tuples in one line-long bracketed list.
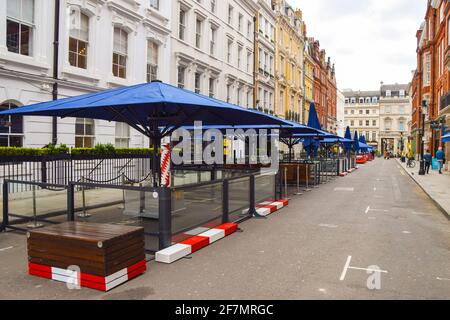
[(365, 269), (332, 226), (367, 210), (347, 264), (4, 249), (442, 279)]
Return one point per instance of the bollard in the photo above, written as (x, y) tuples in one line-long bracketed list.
[(165, 217), (70, 202), (84, 214), (225, 205), (5, 206), (123, 190), (298, 182), (35, 223)]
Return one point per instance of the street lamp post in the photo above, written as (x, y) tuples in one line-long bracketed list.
[(422, 142)]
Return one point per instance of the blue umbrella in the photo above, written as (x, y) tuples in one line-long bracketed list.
[(311, 145), (348, 145), (154, 109)]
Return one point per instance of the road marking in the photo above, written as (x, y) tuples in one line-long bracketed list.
[(379, 210), (403, 174), (345, 189), (367, 210), (347, 264), (406, 232), (323, 290), (328, 225), (374, 189), (442, 279), (4, 249), (371, 270)]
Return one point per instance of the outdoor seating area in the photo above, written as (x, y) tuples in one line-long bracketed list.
[(188, 205)]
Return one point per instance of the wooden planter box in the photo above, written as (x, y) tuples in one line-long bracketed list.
[(105, 255)]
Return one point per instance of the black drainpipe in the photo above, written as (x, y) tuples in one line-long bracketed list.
[(55, 69)]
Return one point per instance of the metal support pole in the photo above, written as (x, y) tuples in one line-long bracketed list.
[(84, 214), (35, 223), (5, 221), (285, 183), (225, 200), (123, 190), (141, 199), (252, 208), (307, 178), (70, 202), (165, 217), (298, 182)]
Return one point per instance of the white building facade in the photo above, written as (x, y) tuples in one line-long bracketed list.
[(362, 114), (395, 116), (213, 48), (340, 114), (102, 45)]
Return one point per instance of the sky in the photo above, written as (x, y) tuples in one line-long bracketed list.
[(369, 40)]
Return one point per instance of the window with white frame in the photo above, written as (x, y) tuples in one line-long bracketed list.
[(228, 93), (78, 38), (249, 61), (198, 33), (427, 69), (182, 24), (11, 127), (152, 61), (181, 76), (230, 15), (213, 36), (401, 125), (212, 87), (120, 53), (239, 56), (19, 26), (213, 6), (238, 96), (122, 135), (229, 50), (198, 82), (241, 23), (154, 4), (84, 133)]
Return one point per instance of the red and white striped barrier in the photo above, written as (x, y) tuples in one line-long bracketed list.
[(268, 207), (191, 245), (165, 166), (343, 174), (86, 280)]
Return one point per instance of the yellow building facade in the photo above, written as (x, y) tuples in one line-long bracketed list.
[(309, 80), (289, 57)]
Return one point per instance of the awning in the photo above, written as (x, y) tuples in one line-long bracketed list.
[(446, 138)]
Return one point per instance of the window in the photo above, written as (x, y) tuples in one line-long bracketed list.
[(241, 23), (228, 93), (401, 125), (212, 87), (181, 76), (352, 123), (249, 61), (388, 109), (213, 6), (152, 61), (154, 4), (361, 100), (84, 133), (239, 56), (360, 112), (402, 93), (197, 82), (281, 102), (122, 135), (401, 109), (271, 66), (374, 136), (374, 123), (388, 124), (238, 96), (249, 29), (198, 33), (367, 123), (388, 93), (427, 69), (78, 39), (353, 100), (212, 47), (230, 15), (11, 128), (367, 111), (19, 26), (120, 52), (182, 25), (229, 48), (360, 123), (352, 111), (374, 100)]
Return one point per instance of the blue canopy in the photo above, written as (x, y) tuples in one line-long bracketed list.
[(356, 141), (148, 107), (348, 145), (446, 138), (312, 145), (336, 140)]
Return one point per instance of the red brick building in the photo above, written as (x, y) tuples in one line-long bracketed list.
[(431, 80)]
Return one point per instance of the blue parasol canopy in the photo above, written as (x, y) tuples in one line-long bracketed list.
[(154, 109), (348, 145), (446, 138), (312, 145)]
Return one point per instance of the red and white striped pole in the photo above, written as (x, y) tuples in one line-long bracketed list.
[(165, 166)]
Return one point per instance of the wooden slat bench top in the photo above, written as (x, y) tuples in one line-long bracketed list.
[(90, 233)]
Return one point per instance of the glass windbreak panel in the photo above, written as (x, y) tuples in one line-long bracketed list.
[(264, 188), (120, 207), (239, 197), (184, 177), (195, 210), (34, 206)]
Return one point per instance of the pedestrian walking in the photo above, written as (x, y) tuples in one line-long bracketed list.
[(427, 157), (440, 157)]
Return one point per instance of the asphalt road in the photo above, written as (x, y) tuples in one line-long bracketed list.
[(317, 248)]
